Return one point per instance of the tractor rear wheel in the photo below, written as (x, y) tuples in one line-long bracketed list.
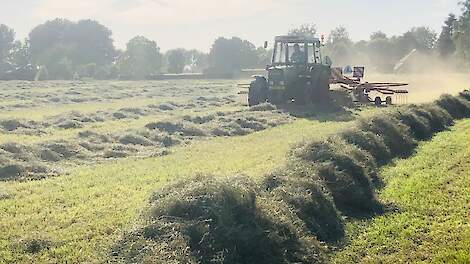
[(258, 92)]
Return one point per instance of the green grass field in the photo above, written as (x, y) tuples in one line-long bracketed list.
[(432, 193), (84, 211), (78, 214)]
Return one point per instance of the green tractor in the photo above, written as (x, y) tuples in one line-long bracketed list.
[(298, 73)]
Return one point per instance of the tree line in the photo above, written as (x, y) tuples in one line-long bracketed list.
[(62, 49)]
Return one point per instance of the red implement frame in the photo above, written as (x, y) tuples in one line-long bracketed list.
[(360, 91)]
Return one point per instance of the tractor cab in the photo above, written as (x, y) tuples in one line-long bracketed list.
[(295, 51), (298, 73)]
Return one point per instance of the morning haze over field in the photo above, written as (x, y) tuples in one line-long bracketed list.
[(195, 24), (155, 131)]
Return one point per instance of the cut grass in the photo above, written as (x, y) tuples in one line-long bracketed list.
[(110, 126), (432, 193), (83, 213)]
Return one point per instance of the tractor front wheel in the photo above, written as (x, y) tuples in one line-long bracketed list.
[(258, 92)]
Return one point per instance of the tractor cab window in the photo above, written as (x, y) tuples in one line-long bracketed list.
[(313, 53), (297, 53), (280, 54)]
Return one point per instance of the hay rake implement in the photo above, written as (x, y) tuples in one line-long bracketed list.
[(361, 92)]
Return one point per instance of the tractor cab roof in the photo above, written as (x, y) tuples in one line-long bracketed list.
[(296, 39)]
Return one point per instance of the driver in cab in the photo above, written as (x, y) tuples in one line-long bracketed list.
[(298, 56)]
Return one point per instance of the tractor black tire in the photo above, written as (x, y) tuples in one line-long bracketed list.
[(388, 100), (301, 97), (378, 101), (258, 92), (320, 93)]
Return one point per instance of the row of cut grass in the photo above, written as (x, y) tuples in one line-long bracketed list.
[(106, 127), (83, 213), (432, 193)]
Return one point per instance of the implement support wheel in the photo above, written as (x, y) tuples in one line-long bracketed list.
[(378, 101)]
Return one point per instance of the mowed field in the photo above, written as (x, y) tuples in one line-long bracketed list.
[(90, 154), (432, 193)]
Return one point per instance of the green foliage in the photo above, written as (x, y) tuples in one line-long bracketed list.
[(304, 30), (141, 59), (21, 55), (57, 63), (197, 60), (445, 43), (340, 47), (231, 55), (462, 35), (176, 60), (420, 38), (380, 51), (64, 46), (7, 38)]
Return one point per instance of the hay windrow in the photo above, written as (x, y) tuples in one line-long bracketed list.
[(204, 220), (301, 188), (419, 126), (348, 172), (149, 141), (370, 142), (396, 135), (438, 118), (455, 106)]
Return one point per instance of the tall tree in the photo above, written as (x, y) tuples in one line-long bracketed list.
[(229, 55), (378, 35), (93, 43), (141, 59), (304, 30), (462, 34), (21, 54), (380, 52), (60, 41), (264, 56), (339, 35), (420, 38), (197, 60), (176, 60), (340, 46), (445, 43), (7, 38), (48, 36)]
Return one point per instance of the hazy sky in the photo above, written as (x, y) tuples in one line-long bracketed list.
[(195, 24)]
